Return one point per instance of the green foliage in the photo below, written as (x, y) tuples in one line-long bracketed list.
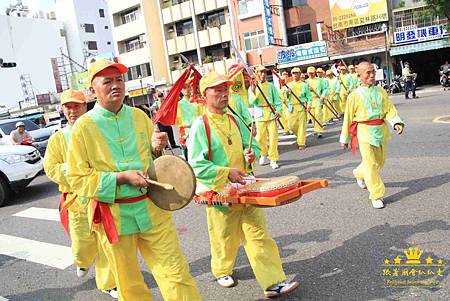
[(208, 59), (440, 8)]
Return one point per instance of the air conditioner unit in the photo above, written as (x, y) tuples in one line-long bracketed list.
[(141, 39), (225, 45)]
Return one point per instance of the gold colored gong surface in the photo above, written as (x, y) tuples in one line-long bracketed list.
[(174, 171)]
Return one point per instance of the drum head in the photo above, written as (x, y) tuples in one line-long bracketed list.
[(176, 172)]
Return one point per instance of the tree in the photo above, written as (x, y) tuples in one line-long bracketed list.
[(440, 8)]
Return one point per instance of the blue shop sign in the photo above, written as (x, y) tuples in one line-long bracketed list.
[(302, 52), (420, 34), (269, 22)]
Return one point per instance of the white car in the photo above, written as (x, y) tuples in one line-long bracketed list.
[(19, 165)]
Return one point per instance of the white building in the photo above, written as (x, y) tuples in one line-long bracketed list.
[(88, 28), (32, 44)]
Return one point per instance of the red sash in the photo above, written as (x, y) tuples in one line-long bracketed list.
[(64, 213), (208, 132), (182, 132), (353, 129), (102, 215)]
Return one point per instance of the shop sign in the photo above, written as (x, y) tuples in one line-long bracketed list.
[(420, 34), (302, 52)]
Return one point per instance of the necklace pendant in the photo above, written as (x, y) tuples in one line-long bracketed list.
[(229, 141)]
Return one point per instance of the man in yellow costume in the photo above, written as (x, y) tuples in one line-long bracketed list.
[(318, 90), (345, 81), (111, 148), (366, 114), (297, 114), (266, 121), (334, 89), (219, 154), (73, 210), (186, 114), (284, 108), (326, 112), (353, 78)]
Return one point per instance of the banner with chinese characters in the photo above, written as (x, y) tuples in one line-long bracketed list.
[(302, 52), (268, 23), (412, 35), (352, 13)]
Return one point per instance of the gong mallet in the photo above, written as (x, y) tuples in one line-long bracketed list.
[(298, 99), (166, 186)]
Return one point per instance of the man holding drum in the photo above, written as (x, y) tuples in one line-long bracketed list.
[(110, 149), (219, 154)]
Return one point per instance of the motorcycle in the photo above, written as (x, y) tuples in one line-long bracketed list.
[(444, 79), (397, 85)]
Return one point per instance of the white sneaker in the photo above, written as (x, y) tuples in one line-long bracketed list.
[(360, 182), (378, 204), (281, 289), (262, 160), (274, 164), (226, 281), (82, 272), (113, 293)]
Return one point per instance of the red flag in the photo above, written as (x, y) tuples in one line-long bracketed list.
[(167, 113)]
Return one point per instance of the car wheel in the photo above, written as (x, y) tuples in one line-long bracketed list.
[(5, 191)]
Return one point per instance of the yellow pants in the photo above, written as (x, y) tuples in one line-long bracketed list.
[(337, 106), (372, 161), (318, 113), (284, 120), (267, 130), (160, 249), (297, 123), (343, 100), (86, 248), (247, 224)]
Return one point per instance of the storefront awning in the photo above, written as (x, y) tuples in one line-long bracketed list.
[(418, 47), (356, 54)]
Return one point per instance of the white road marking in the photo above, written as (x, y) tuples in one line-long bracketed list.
[(56, 256), (286, 143), (39, 213), (335, 272)]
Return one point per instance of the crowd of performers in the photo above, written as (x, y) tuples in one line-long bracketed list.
[(100, 161)]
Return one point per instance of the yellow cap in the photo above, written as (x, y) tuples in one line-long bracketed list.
[(72, 96), (260, 68), (319, 70), (342, 68), (311, 69), (212, 79), (328, 72), (351, 67), (296, 69), (101, 64)]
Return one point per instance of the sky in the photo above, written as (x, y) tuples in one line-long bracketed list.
[(34, 5)]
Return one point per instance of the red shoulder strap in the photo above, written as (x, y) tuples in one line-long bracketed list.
[(208, 135)]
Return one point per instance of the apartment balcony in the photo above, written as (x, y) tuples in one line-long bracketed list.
[(176, 74), (119, 6), (135, 57), (221, 3), (225, 31), (220, 66), (190, 42), (210, 5), (203, 38), (181, 44), (214, 35), (128, 30), (199, 6), (172, 46), (167, 15)]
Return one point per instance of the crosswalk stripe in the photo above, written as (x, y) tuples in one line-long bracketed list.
[(53, 255), (286, 143), (3, 299), (39, 213)]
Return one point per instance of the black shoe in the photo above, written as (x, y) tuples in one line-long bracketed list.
[(415, 96), (319, 136)]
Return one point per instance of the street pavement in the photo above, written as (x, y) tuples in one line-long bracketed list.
[(332, 241)]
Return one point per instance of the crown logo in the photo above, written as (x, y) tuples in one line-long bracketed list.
[(413, 255)]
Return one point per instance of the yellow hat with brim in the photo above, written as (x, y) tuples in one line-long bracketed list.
[(213, 79), (296, 70), (102, 64), (351, 67), (342, 68), (319, 70), (260, 68), (311, 70), (328, 72), (72, 96)]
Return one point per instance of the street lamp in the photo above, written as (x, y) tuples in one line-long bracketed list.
[(384, 28), (260, 53)]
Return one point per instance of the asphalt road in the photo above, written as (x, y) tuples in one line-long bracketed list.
[(332, 241)]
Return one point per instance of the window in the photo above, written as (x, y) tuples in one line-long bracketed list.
[(418, 17), (184, 27), (218, 52), (89, 28), (101, 12), (92, 45), (129, 16), (294, 3), (254, 40), (133, 44), (212, 20), (134, 72), (249, 6), (299, 35)]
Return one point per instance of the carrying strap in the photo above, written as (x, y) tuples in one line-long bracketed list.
[(208, 132)]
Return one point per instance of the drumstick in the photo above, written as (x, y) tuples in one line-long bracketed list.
[(166, 186), (256, 179), (251, 138)]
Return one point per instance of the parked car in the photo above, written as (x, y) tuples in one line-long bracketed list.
[(40, 136), (19, 165)]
